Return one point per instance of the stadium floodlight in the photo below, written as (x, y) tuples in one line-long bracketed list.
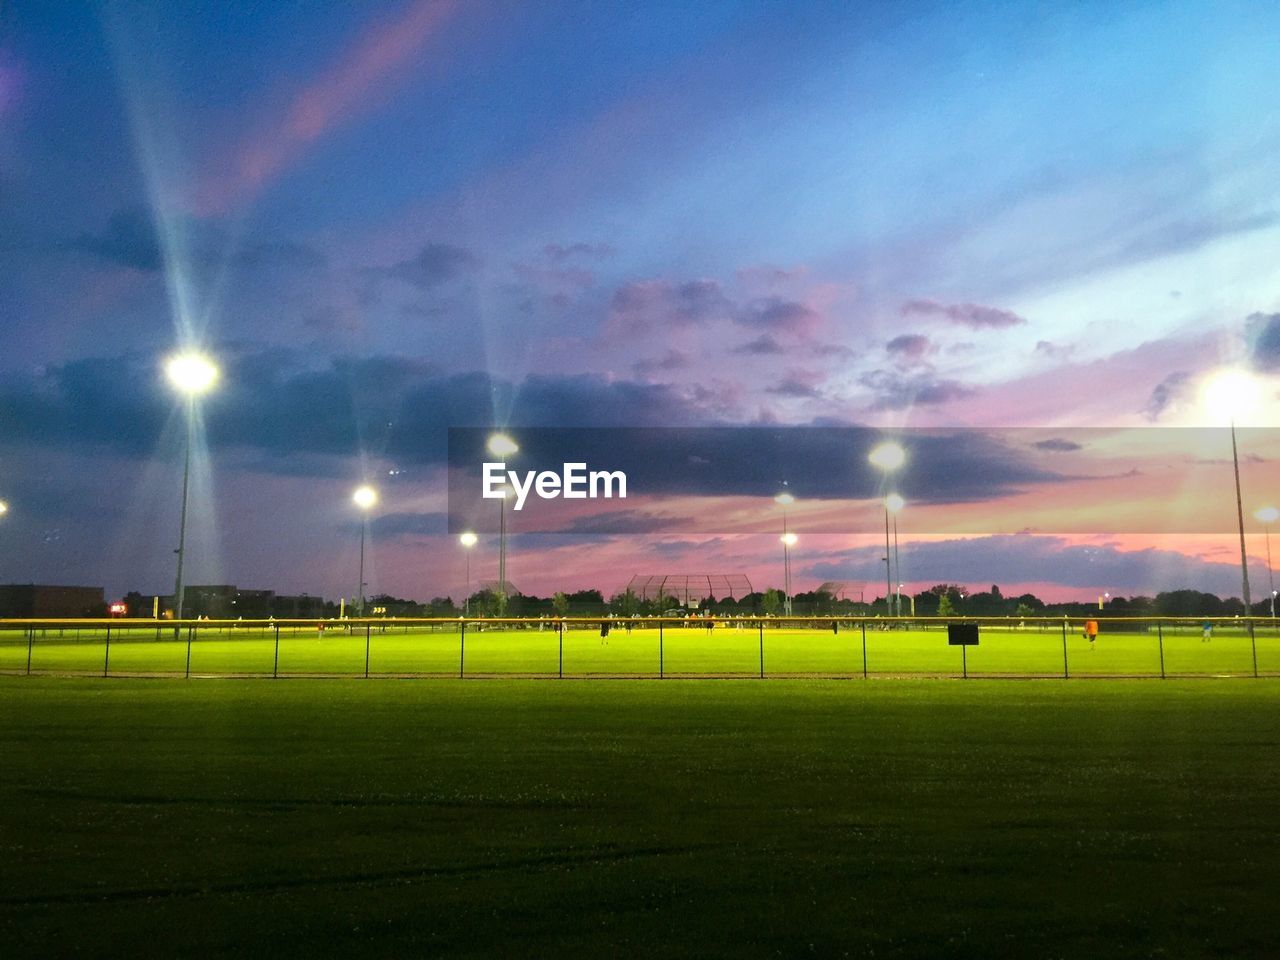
[(365, 497), (190, 373), (501, 445), (894, 502), (4, 508), (784, 499), (1267, 516), (468, 540), (888, 456), (790, 539), (1230, 394)]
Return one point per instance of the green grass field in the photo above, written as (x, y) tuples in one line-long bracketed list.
[(680, 651), (684, 819)]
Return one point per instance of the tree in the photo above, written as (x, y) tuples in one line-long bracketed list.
[(945, 608), (771, 603), (560, 603)]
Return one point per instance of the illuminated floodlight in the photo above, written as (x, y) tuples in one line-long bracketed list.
[(888, 456), (1231, 393), (191, 373), (1264, 515), (4, 508), (500, 445), (468, 539), (785, 499), (790, 539), (893, 503), (365, 497)]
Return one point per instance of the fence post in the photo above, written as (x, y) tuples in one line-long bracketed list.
[(462, 651), (1253, 642), (187, 676), (964, 660), (661, 665), (864, 649), (275, 663), (1066, 672), (366, 650), (560, 630), (106, 654), (1160, 638), (761, 649), (31, 638)]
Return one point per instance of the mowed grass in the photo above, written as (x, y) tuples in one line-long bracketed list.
[(626, 818), (692, 651)]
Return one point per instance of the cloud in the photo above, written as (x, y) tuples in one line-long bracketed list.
[(434, 265), (1053, 350), (644, 306), (1167, 392), (775, 313), (762, 346), (910, 348), (897, 391), (410, 524), (796, 385), (558, 253), (671, 360), (1058, 445), (1265, 336), (628, 522), (972, 315)]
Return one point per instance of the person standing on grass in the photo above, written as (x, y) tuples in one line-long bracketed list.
[(1091, 631), (1207, 635)]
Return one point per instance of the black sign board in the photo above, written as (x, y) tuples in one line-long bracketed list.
[(962, 634)]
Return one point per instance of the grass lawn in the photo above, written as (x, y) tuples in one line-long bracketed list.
[(626, 818), (679, 651)]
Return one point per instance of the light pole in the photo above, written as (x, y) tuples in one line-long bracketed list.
[(893, 503), (468, 540), (501, 445), (1268, 516), (365, 497), (191, 374), (784, 500), (888, 456), (1230, 394)]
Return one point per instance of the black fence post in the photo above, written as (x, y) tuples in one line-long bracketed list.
[(31, 639), (462, 651), (106, 654), (1253, 642), (1066, 672), (1160, 638), (761, 649), (560, 631), (661, 664), (864, 649), (187, 676), (964, 660), (275, 663), (366, 650)]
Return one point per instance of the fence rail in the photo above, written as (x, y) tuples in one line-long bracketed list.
[(658, 647)]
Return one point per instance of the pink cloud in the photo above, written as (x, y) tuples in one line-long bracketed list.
[(972, 315), (347, 87)]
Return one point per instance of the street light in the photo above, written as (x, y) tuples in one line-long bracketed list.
[(365, 497), (888, 456), (1268, 516), (191, 374), (501, 445), (893, 503), (468, 540), (784, 500), (1229, 394), (4, 508)]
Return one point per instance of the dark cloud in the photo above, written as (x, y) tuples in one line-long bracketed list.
[(434, 265), (1264, 329), (1058, 445), (762, 346), (795, 385), (643, 306), (910, 347), (1053, 350), (671, 360), (898, 391), (972, 315), (558, 253), (1166, 393), (775, 313)]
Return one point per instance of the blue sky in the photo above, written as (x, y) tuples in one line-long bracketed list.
[(903, 215)]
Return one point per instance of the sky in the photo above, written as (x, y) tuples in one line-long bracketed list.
[(386, 220)]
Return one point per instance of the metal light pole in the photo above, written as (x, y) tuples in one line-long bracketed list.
[(501, 445), (190, 374), (1244, 557), (784, 500), (364, 497), (888, 457), (1230, 394), (1268, 516), (468, 540), (892, 504)]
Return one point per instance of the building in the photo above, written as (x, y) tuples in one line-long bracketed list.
[(30, 601)]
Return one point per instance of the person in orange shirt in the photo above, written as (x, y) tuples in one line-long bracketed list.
[(1091, 631)]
